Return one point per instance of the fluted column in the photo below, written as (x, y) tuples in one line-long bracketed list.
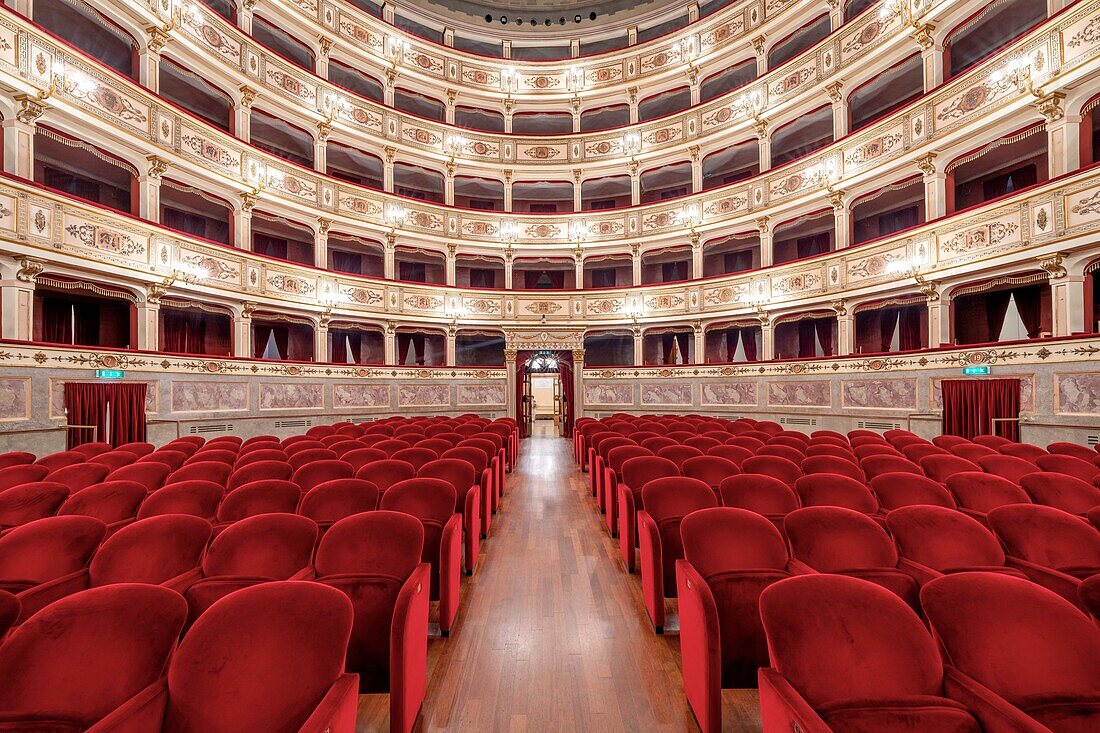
[(387, 169), (510, 382), (633, 92), (242, 221), (578, 384), (696, 169), (507, 190), (451, 346), (149, 59), (840, 110), (148, 324), (389, 252), (635, 265), (932, 59), (578, 203), (1067, 293), (767, 241), (389, 344), (767, 341), (242, 332)]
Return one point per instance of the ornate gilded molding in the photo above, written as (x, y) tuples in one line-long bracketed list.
[(29, 269)]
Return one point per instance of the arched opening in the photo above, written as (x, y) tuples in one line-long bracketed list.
[(280, 138), (544, 273), (476, 118), (415, 182), (63, 163), (355, 255), (542, 123), (276, 337), (728, 255), (807, 236), (602, 194), (480, 194), (542, 197), (193, 211), (194, 93), (479, 271), (270, 34), (609, 349), (479, 348), (669, 265), (733, 343), (611, 117), (1001, 168), (354, 165), (73, 312), (356, 343), (608, 271), (882, 94), (415, 265), (420, 347), (356, 81), (799, 41), (668, 346), (889, 209), (810, 132), (89, 30), (192, 327), (724, 82), (667, 182), (281, 239), (897, 324), (806, 336), (1011, 308), (664, 104), (732, 164), (418, 104), (987, 31)]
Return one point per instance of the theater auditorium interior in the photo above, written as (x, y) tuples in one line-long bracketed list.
[(550, 366)]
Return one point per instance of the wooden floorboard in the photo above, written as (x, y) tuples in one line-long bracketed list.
[(552, 634)]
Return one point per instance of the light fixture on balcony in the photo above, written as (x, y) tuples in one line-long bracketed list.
[(578, 230), (335, 106), (179, 12), (1018, 72), (394, 49), (824, 174), (509, 231), (689, 52), (689, 216), (454, 145), (394, 215), (913, 267), (509, 81), (752, 104), (190, 273), (574, 79), (632, 144)]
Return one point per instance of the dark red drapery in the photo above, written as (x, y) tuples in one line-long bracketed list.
[(127, 412), (970, 407), (565, 369), (90, 403), (184, 332)]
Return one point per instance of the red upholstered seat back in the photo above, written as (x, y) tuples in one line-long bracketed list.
[(830, 489), (259, 497), (392, 445), (79, 475), (416, 456), (21, 474), (778, 467), (679, 453), (711, 470), (834, 465), (895, 490), (1082, 452), (476, 457), (819, 448), (668, 501), (833, 539), (304, 458), (980, 492), (49, 548), (320, 471), (272, 546), (619, 455), (987, 623), (173, 459), (939, 467), (861, 642), (198, 498), (334, 500), (1022, 450), (86, 654), (260, 659), (794, 455), (1061, 491), (261, 454), (362, 456), (637, 472), (875, 465), (149, 475), (385, 474), (456, 472), (436, 445), (15, 458), (758, 493), (383, 543), (216, 471), (431, 500), (109, 502), (1008, 467), (114, 459), (724, 539), (28, 502), (1069, 465), (61, 459), (943, 539), (1046, 536), (212, 453), (152, 550)]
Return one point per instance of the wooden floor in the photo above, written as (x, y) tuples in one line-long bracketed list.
[(552, 634)]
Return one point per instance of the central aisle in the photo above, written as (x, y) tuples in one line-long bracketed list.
[(552, 634)]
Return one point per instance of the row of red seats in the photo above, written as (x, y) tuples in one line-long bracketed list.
[(377, 558), (893, 510)]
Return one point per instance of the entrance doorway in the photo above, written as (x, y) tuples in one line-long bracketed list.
[(546, 385)]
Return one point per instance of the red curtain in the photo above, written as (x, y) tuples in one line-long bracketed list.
[(996, 307), (971, 405), (807, 347), (786, 340), (826, 334), (748, 338), (57, 321), (86, 404), (732, 337), (565, 369), (887, 322), (1029, 304), (90, 403), (282, 340), (127, 412), (260, 334), (184, 332), (911, 333), (685, 354)]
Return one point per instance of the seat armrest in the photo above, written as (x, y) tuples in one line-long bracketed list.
[(797, 567), (183, 581), (471, 525), (995, 713), (307, 573), (783, 709), (700, 647), (1061, 583), (651, 568), (450, 572), (33, 600), (336, 711), (409, 649), (920, 573), (142, 713)]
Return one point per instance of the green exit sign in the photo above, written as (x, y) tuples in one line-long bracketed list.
[(976, 371), (109, 374)]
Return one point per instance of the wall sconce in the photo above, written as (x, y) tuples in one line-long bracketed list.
[(574, 79), (509, 81), (335, 106), (912, 267), (752, 104), (1018, 73), (632, 144), (689, 52), (509, 232), (578, 230), (394, 50), (690, 216), (454, 145), (394, 215)]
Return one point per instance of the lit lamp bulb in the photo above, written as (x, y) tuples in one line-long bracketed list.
[(394, 215)]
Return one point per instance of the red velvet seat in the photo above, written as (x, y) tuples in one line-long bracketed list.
[(679, 453), (462, 477), (992, 441), (764, 495), (636, 473), (973, 451), (416, 456), (259, 442), (837, 540), (260, 454), (827, 489), (977, 493), (949, 441), (115, 503), (215, 471), (79, 475), (345, 445), (166, 456), (312, 455), (875, 465), (267, 658), (9, 612), (436, 445), (606, 498), (164, 550), (362, 456), (602, 445), (1070, 466), (936, 541), (1022, 450), (834, 465), (732, 453), (255, 550), (91, 450), (197, 498), (895, 490), (258, 497), (54, 461), (1061, 491), (1082, 452), (862, 662), (433, 501), (76, 661), (392, 445), (1008, 467), (783, 469), (114, 459), (150, 475), (21, 474), (319, 471), (987, 627), (667, 501), (794, 455), (28, 502), (747, 442), (711, 470), (917, 451), (1088, 592), (868, 450), (211, 453), (375, 559), (730, 556), (680, 434), (44, 560), (700, 442), (385, 474), (494, 451), (334, 500), (15, 458), (266, 470), (939, 468), (482, 461), (834, 450), (1055, 549)]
